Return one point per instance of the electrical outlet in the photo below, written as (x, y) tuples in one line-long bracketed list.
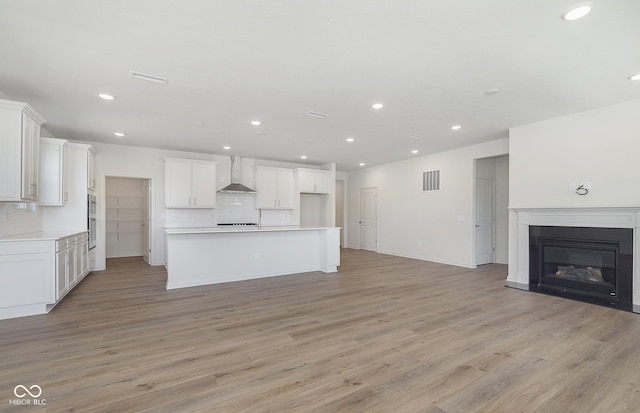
[(573, 186), (586, 185)]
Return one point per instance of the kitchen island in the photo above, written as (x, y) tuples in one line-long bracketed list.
[(200, 256)]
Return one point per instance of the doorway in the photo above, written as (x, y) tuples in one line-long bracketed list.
[(128, 217), (491, 210), (484, 221), (367, 219)]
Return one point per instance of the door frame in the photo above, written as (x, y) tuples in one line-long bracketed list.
[(151, 205), (360, 192), (493, 220)]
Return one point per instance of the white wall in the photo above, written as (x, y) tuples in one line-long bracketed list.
[(435, 226), (502, 210), (147, 163), (600, 146)]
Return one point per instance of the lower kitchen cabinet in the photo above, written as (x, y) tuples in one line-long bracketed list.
[(72, 258), (37, 270)]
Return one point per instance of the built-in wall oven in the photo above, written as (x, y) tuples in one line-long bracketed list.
[(91, 220)]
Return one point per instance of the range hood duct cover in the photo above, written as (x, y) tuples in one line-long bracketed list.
[(235, 186)]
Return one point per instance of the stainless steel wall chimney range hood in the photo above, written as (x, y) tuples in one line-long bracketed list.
[(235, 185)]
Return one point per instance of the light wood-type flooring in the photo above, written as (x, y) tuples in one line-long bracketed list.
[(385, 334)]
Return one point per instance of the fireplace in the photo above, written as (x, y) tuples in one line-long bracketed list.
[(588, 264)]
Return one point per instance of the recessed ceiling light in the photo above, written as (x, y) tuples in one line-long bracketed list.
[(577, 11), (492, 92), (226, 148), (350, 139), (256, 122), (149, 78), (361, 163), (416, 137), (455, 127), (377, 105), (303, 157), (199, 123), (119, 134), (414, 151), (106, 96), (635, 77)]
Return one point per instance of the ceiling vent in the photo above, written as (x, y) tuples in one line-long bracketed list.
[(149, 78), (317, 114)]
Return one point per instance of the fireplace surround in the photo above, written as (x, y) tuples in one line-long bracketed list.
[(583, 263), (522, 218)]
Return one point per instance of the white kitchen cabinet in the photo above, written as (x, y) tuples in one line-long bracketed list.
[(313, 181), (38, 269), (52, 187), (274, 188), (189, 183), (19, 157), (73, 215), (62, 281), (72, 258)]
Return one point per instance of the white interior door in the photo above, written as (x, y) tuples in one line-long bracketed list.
[(484, 221), (368, 216)]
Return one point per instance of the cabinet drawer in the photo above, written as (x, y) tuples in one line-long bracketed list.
[(62, 244)]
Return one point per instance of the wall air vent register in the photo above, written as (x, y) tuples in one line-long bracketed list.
[(431, 180)]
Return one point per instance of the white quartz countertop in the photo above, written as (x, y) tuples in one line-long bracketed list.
[(41, 236), (217, 230)]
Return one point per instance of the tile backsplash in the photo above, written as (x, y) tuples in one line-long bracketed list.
[(18, 218), (236, 207)]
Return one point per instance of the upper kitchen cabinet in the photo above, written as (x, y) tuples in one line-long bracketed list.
[(274, 188), (189, 183), (313, 181), (52, 185), (20, 156)]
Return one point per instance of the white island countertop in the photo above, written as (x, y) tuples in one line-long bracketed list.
[(225, 229), (211, 255)]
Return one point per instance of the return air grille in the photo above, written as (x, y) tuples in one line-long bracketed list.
[(317, 114), (431, 180), (148, 78)]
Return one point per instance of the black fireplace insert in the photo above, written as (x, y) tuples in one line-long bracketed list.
[(588, 264)]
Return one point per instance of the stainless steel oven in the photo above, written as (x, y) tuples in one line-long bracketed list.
[(91, 220)]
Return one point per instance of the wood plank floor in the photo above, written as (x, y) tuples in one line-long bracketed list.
[(385, 334)]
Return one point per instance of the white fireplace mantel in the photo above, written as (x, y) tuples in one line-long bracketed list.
[(603, 217)]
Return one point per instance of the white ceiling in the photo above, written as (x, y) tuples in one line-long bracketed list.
[(230, 62)]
